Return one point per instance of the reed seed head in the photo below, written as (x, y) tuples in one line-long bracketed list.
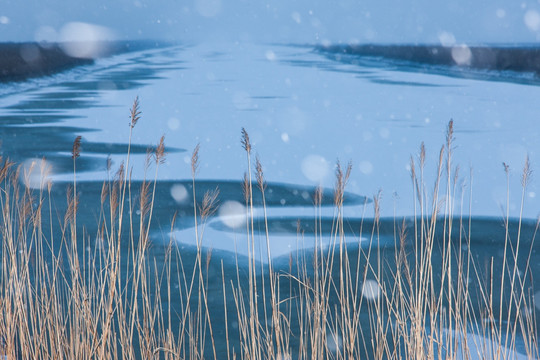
[(506, 168), (341, 181), (209, 203), (527, 172), (246, 144), (317, 196), (422, 155), (160, 151), (450, 134), (109, 163), (195, 159), (260, 174), (104, 192), (76, 151), (135, 113)]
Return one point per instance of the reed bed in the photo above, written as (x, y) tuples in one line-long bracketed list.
[(68, 293)]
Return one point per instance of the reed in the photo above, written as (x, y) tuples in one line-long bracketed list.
[(68, 293)]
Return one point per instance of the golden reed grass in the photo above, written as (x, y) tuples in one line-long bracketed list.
[(64, 296)]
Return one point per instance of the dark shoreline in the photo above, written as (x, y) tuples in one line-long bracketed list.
[(522, 59), (22, 61)]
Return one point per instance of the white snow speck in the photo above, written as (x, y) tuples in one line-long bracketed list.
[(232, 214), (173, 123), (285, 137), (179, 193), (315, 168), (4, 20), (366, 167), (537, 300), (462, 55), (371, 290), (532, 20), (500, 13), (447, 39), (532, 194)]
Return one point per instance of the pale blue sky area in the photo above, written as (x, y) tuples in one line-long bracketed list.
[(298, 21)]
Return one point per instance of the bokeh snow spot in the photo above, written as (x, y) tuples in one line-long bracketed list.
[(532, 20), (283, 357), (447, 39), (462, 55), (384, 133), (366, 167), (367, 135), (232, 214), (173, 123), (285, 137), (371, 290), (333, 342), (315, 168), (242, 101), (297, 18), (83, 40), (106, 85), (208, 8), (293, 121), (532, 194), (30, 53), (500, 13), (179, 193), (537, 300), (36, 173), (270, 55), (4, 20), (46, 36)]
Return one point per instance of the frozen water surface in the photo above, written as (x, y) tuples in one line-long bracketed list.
[(304, 110)]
